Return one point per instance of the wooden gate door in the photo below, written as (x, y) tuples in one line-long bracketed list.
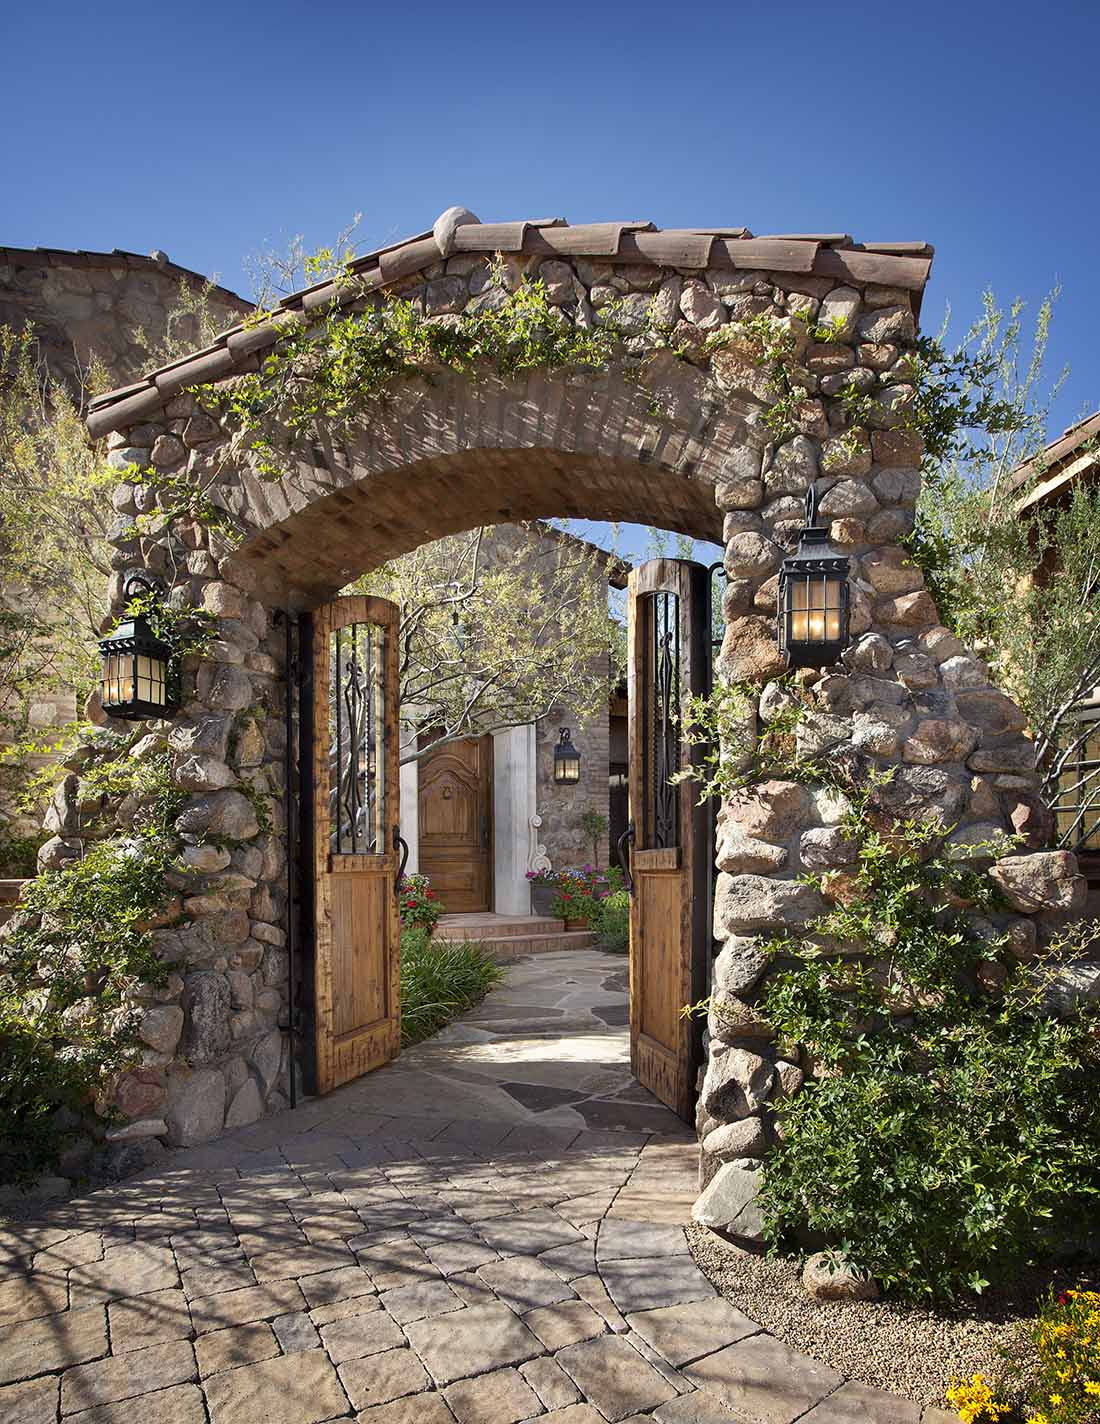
[(670, 865), (355, 836), (455, 824)]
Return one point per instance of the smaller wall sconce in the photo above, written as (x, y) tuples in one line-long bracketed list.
[(138, 678), (567, 759), (813, 597)]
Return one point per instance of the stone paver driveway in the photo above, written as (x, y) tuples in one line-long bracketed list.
[(488, 1231)]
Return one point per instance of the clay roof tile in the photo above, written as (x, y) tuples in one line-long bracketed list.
[(901, 264)]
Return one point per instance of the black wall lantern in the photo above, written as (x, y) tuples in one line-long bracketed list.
[(813, 597), (138, 680), (567, 760)]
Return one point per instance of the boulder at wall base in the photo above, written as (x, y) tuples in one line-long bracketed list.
[(207, 1001), (246, 1107), (736, 1083), (729, 1203), (1044, 880), (736, 1139), (267, 1056), (828, 1276), (195, 1110)]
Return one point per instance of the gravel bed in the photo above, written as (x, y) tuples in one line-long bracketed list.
[(908, 1350)]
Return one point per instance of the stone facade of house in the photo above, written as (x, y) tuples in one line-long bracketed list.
[(113, 309), (676, 436), (100, 313)]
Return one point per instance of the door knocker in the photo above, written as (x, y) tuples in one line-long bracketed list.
[(446, 793)]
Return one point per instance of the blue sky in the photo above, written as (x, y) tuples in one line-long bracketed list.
[(210, 130)]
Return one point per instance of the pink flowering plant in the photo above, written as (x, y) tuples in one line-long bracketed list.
[(418, 903)]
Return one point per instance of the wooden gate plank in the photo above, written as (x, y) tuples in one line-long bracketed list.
[(670, 936), (357, 930)]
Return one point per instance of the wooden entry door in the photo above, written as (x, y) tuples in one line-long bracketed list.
[(670, 865), (455, 824), (357, 962)]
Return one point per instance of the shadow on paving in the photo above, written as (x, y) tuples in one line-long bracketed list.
[(489, 1229)]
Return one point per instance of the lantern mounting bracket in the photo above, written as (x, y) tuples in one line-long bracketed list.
[(141, 582)]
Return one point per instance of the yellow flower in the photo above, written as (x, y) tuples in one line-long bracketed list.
[(1056, 1399), (1092, 1387)]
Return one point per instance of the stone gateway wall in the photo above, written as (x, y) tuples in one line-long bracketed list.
[(675, 434)]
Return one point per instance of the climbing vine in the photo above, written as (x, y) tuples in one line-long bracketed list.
[(321, 377)]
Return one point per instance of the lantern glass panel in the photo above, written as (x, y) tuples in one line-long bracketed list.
[(815, 609), (150, 680)]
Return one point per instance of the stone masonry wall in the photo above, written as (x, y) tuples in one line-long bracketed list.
[(561, 807), (908, 696)]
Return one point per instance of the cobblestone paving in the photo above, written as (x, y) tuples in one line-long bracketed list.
[(486, 1232)]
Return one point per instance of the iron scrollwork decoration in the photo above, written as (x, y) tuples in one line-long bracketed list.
[(357, 740), (662, 710)]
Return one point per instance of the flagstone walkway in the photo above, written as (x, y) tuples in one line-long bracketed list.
[(485, 1232)]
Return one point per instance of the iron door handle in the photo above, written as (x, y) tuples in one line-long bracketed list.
[(624, 857), (485, 833), (399, 843)]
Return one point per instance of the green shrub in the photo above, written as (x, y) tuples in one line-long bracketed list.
[(614, 922), (948, 1132), (76, 948), (440, 981)]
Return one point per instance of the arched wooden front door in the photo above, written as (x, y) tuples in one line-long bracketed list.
[(669, 654), (357, 955), (455, 823)]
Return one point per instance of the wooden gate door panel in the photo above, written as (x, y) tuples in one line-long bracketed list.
[(455, 808), (357, 964), (670, 938)]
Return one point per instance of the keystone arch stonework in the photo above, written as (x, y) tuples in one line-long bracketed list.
[(675, 435)]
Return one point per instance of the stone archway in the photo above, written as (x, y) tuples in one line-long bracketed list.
[(686, 429)]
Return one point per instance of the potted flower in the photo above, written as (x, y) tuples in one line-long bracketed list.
[(580, 896), (544, 887), (417, 903)]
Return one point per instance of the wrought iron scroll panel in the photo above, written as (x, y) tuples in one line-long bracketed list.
[(357, 740), (661, 736)]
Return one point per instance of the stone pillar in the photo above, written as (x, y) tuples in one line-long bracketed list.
[(908, 698), (410, 802), (513, 807)]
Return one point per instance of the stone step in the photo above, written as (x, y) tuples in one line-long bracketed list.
[(518, 945), (485, 927)]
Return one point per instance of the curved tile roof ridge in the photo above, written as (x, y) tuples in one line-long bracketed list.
[(117, 257), (905, 265)]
